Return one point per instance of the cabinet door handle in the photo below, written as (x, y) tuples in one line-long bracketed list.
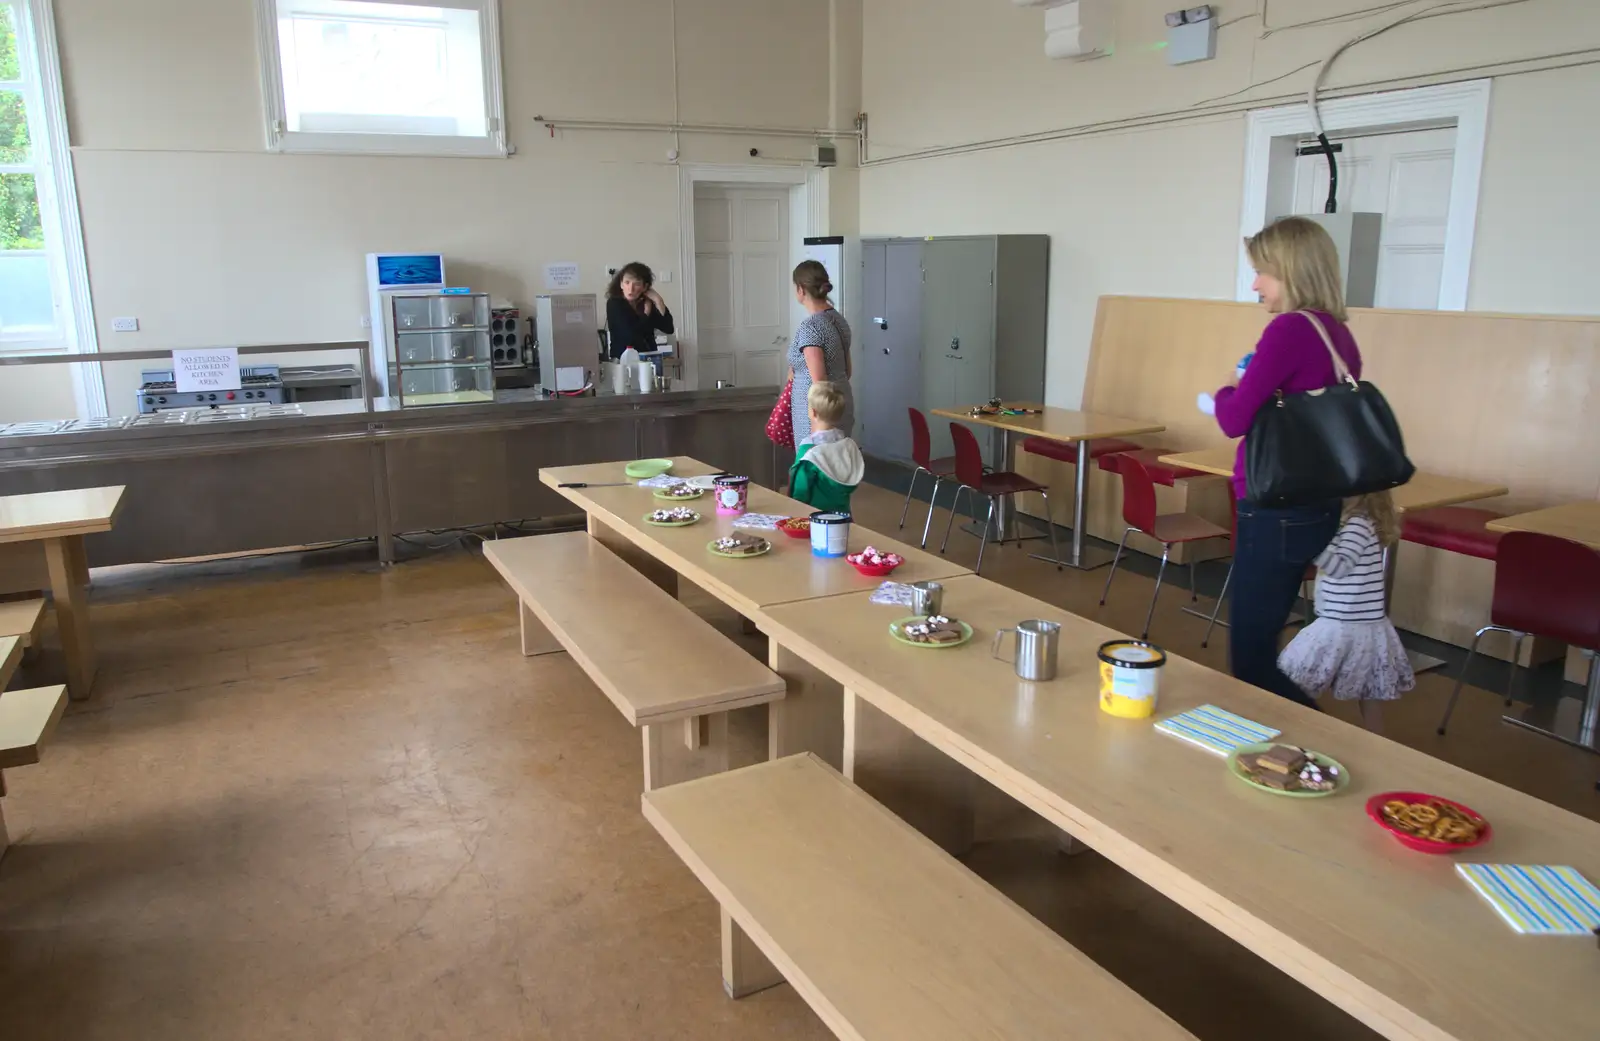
[(883, 323)]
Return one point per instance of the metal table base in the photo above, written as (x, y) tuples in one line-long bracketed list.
[(1081, 558)]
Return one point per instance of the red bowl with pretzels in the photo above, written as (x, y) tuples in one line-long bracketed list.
[(796, 527), (1428, 823)]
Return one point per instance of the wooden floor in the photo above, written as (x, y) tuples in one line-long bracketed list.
[(315, 799)]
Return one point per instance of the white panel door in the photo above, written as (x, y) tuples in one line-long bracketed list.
[(1406, 177), (742, 284)]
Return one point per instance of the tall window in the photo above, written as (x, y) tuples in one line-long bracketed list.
[(378, 76), (40, 242)]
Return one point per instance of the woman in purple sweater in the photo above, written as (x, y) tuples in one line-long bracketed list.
[(1297, 269)]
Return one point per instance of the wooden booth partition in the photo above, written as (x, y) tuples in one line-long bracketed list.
[(1504, 399)]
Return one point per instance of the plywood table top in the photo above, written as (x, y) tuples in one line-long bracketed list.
[(1424, 491), (1312, 885), (49, 515), (789, 572), (1055, 424), (1576, 521)]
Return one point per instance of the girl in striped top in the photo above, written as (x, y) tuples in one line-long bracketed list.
[(1352, 648)]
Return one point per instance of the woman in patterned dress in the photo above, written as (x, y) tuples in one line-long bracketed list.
[(820, 352)]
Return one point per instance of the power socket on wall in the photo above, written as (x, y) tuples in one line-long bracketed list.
[(124, 325)]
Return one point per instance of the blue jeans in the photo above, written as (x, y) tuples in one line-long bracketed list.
[(1271, 551)]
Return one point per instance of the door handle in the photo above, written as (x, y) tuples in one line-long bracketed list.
[(883, 323), (955, 343), (886, 350)]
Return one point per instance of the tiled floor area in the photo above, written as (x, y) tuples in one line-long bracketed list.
[(316, 799)]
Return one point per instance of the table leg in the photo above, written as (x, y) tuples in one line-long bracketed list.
[(1420, 662), (64, 561), (809, 717), (923, 786), (1082, 558), (1582, 732), (638, 559)]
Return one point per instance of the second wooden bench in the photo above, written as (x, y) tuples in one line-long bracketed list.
[(665, 669)]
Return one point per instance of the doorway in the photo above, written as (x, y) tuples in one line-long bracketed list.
[(1414, 155), (743, 242)]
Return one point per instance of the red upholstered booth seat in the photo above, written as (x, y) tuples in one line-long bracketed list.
[(1161, 473), (1457, 529), (1063, 452)]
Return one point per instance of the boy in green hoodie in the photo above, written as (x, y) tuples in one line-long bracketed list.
[(828, 464)]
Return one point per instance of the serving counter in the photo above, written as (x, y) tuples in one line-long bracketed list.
[(336, 471)]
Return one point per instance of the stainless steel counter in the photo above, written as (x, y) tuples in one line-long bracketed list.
[(337, 472)]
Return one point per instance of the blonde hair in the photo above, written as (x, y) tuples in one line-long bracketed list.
[(1378, 507), (826, 401), (1300, 253)]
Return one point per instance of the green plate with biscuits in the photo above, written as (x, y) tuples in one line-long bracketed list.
[(1282, 769)]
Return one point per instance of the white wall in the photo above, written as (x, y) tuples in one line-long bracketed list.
[(1156, 211), (193, 227)]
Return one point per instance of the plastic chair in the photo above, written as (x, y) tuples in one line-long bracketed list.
[(1172, 529), (1543, 586), (938, 469), (970, 475)]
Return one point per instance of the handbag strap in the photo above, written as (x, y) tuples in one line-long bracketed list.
[(1341, 371)]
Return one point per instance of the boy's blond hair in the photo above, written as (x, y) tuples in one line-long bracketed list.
[(826, 401)]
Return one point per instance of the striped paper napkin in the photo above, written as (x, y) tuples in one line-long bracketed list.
[(1544, 901), (1216, 730)]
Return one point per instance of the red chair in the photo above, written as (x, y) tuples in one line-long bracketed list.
[(992, 486), (938, 469), (1544, 586), (1067, 451), (1150, 459), (1172, 529), (1457, 529)]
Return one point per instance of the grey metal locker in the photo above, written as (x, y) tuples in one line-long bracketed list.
[(891, 347), (972, 311)]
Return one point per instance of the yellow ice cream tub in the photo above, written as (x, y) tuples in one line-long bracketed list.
[(1130, 677)]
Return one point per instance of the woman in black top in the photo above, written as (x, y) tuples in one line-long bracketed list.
[(635, 311)]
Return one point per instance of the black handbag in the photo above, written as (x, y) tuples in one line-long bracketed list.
[(1334, 443)]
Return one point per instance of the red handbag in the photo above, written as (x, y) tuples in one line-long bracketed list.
[(780, 425)]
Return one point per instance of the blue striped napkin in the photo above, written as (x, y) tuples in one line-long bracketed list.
[(1544, 901), (1216, 730)]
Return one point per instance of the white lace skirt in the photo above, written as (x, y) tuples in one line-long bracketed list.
[(1355, 660)]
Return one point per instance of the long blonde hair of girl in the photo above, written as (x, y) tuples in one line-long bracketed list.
[(1378, 507)]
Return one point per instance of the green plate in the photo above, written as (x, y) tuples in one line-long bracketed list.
[(644, 469), (660, 493), (669, 524), (712, 546), (1321, 760), (894, 630)]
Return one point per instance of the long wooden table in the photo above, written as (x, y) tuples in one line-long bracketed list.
[(59, 521), (1068, 426), (808, 718), (1393, 937)]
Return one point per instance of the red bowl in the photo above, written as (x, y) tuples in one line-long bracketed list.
[(1422, 845), (801, 527), (873, 570)]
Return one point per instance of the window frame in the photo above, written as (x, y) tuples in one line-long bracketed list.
[(51, 159), (276, 121)]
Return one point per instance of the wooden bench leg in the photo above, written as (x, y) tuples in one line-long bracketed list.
[(638, 559), (4, 838), (536, 639), (810, 715), (67, 566), (745, 969), (684, 750), (923, 786), (1069, 845)]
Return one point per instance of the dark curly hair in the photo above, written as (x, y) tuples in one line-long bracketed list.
[(640, 271)]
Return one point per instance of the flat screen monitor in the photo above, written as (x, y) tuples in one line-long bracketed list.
[(408, 270)]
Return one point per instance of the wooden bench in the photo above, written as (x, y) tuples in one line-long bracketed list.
[(664, 668), (884, 934), (23, 619), (27, 719)]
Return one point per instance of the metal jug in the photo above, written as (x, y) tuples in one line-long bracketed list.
[(927, 598), (1037, 643)]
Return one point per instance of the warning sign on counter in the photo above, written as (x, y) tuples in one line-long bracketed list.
[(213, 368)]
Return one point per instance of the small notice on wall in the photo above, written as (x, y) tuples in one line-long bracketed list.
[(561, 276), (213, 368)]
